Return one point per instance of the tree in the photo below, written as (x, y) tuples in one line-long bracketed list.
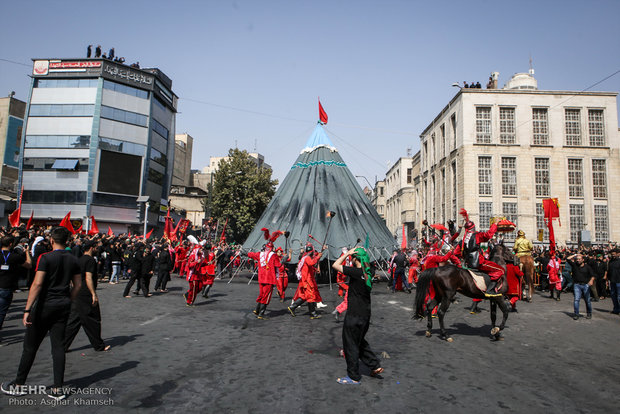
[(241, 192)]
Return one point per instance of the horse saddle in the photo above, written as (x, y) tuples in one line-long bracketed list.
[(481, 279)]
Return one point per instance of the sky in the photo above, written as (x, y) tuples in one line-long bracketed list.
[(248, 73)]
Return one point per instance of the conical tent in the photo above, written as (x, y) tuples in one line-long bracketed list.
[(320, 182)]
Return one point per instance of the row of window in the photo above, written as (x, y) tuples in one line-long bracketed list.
[(576, 219), (125, 89), (65, 83), (125, 147), (47, 164), (439, 150), (160, 129), (57, 141), (540, 126), (542, 175), (156, 177), (62, 110), (61, 197), (158, 157), (120, 115)]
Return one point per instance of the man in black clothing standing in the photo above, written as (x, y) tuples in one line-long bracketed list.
[(148, 264), (613, 275), (98, 51), (11, 262), (135, 270), (89, 51), (583, 278), (357, 319), (85, 310), (52, 293), (165, 266), (400, 262)]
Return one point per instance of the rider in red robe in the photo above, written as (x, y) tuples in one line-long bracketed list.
[(469, 250)]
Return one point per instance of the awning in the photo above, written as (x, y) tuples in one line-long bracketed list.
[(65, 164)]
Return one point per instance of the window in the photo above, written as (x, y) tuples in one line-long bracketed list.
[(442, 130), (125, 147), (484, 176), (127, 90), (57, 141), (601, 225), (425, 156), (454, 212), (156, 176), (158, 157), (72, 197), (483, 125), (507, 126), (540, 126), (443, 195), (453, 124), (66, 83), (540, 222), (575, 178), (541, 172), (409, 175), (599, 179), (596, 129), (433, 149), (486, 212), (50, 164), (576, 220), (509, 176), (61, 110), (160, 129), (433, 197), (510, 211), (573, 126), (120, 115)]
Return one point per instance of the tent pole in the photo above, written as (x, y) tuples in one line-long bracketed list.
[(329, 270)]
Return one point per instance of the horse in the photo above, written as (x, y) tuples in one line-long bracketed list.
[(527, 266), (447, 281)]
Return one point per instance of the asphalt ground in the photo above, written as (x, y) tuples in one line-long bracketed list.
[(216, 357)]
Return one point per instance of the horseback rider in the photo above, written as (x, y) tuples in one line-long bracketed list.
[(469, 249), (522, 247)]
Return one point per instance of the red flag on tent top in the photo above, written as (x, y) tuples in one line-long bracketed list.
[(93, 227), (110, 232), (322, 113), (29, 224), (66, 223)]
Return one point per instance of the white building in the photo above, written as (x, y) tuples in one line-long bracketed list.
[(500, 152)]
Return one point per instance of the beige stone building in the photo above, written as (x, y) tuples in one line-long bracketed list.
[(500, 152), (400, 197)]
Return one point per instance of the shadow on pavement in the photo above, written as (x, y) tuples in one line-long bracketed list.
[(85, 382)]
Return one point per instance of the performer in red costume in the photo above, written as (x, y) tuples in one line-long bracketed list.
[(469, 250), (282, 280), (207, 270), (268, 261), (414, 265), (555, 280), (514, 277), (194, 277), (340, 278), (307, 289)]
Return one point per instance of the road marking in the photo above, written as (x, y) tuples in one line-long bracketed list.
[(393, 302), (154, 319)]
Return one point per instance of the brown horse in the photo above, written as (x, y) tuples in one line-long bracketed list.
[(447, 281), (527, 267)]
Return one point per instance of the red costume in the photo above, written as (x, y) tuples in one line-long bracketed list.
[(267, 261), (307, 289), (341, 278), (414, 264), (282, 279), (193, 274), (553, 267), (470, 246), (514, 276)]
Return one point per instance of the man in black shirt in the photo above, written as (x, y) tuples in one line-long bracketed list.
[(400, 262), (10, 263), (613, 275), (52, 293), (85, 308), (357, 319), (583, 277)]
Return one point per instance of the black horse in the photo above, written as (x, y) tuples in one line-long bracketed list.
[(447, 281)]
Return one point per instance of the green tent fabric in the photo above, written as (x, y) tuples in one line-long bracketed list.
[(319, 182)]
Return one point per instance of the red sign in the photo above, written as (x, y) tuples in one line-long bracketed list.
[(75, 64)]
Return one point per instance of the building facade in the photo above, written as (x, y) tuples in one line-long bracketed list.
[(400, 198), (183, 148), (500, 152), (98, 135)]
